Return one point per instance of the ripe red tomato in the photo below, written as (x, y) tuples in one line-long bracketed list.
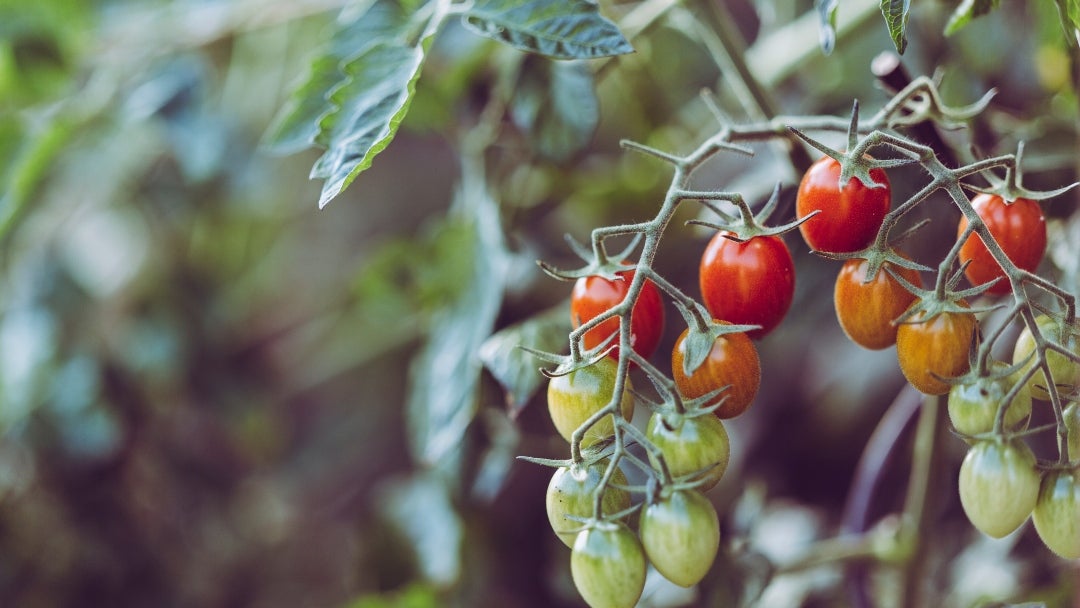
[(937, 346), (733, 360), (866, 310), (1020, 229), (594, 295), (749, 283), (850, 218)]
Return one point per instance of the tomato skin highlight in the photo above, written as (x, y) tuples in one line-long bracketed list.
[(1057, 513), (749, 283), (576, 396), (570, 492), (681, 536), (1065, 371), (608, 566), (999, 485), (691, 445), (850, 218), (594, 295), (1020, 229), (938, 346), (732, 360), (866, 310)]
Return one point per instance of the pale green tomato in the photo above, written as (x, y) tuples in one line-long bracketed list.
[(1057, 513), (1072, 422), (608, 565), (1065, 371), (692, 444), (571, 492), (681, 536), (576, 396), (973, 407), (998, 485)]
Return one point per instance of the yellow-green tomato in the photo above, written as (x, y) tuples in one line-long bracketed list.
[(576, 396), (571, 492), (681, 535), (692, 444), (1072, 423), (608, 565), (998, 485), (973, 407), (1066, 372), (1057, 513)]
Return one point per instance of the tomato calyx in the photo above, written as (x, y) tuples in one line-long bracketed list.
[(747, 225), (1011, 187), (703, 332)]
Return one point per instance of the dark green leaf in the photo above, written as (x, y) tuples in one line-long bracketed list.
[(896, 16), (556, 105), (968, 10), (516, 370), (570, 29), (826, 10)]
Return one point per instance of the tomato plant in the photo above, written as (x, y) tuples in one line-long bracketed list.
[(850, 216), (973, 406), (748, 283), (681, 535), (1065, 372), (937, 347), (571, 492), (608, 565), (574, 397), (866, 310), (1018, 227), (732, 361), (998, 485), (1057, 513), (691, 444), (594, 295)]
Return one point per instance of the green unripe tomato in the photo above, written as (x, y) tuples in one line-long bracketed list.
[(1057, 513), (1072, 422), (571, 492), (998, 485), (681, 536), (692, 444), (1066, 372), (973, 407), (576, 396), (608, 565)]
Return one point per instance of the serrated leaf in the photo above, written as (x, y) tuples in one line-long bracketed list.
[(968, 10), (555, 105), (569, 29), (826, 10), (896, 16), (515, 369), (297, 124), (445, 376)]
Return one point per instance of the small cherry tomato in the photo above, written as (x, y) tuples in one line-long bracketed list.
[(1072, 423), (733, 360), (749, 283), (1066, 372), (1019, 227), (1057, 513), (866, 310), (998, 485), (691, 444), (576, 396), (938, 346), (594, 295), (571, 492), (973, 407), (681, 536), (608, 565), (850, 218)]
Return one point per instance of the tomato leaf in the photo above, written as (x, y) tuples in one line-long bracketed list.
[(555, 104), (968, 10), (896, 16), (570, 29), (516, 369), (826, 10), (419, 507), (445, 375)]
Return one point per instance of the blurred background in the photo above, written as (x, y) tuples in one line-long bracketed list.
[(215, 394)]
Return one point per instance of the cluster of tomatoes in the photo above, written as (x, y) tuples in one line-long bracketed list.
[(747, 278)]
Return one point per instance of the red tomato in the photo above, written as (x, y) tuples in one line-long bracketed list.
[(749, 283), (733, 360), (850, 218), (1020, 229), (594, 295), (866, 310)]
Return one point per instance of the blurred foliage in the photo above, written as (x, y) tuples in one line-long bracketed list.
[(214, 394)]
